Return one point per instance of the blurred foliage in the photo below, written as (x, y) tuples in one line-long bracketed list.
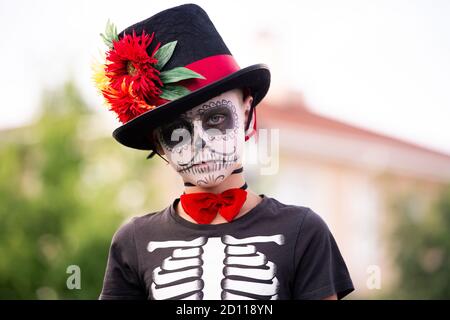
[(421, 246), (64, 190)]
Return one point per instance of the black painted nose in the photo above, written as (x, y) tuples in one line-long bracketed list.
[(199, 143)]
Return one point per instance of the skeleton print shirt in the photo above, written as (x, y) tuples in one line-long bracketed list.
[(274, 251)]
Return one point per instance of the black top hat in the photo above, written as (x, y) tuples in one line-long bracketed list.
[(200, 48)]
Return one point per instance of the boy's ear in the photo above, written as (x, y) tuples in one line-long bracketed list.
[(159, 149), (156, 143), (248, 110)]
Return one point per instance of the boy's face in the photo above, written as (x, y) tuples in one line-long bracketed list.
[(205, 144)]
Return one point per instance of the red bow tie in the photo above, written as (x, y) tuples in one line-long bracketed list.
[(204, 206)]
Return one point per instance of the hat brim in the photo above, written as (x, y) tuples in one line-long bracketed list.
[(135, 133)]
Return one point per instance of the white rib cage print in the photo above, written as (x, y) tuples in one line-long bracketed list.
[(215, 268)]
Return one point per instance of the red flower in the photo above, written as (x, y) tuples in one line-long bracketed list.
[(125, 103), (135, 85)]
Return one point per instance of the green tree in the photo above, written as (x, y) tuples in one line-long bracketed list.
[(422, 249), (59, 186)]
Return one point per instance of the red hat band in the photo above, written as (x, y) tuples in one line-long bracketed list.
[(213, 68)]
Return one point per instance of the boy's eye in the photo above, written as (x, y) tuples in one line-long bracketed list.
[(215, 119), (176, 133), (219, 118)]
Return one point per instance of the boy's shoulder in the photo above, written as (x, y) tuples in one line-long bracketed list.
[(150, 217), (127, 229), (300, 212), (282, 207)]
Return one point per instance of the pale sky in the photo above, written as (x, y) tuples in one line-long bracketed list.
[(382, 65)]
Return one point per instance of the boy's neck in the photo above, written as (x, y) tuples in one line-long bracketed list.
[(236, 180)]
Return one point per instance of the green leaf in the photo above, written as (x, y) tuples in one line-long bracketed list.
[(110, 34), (164, 54), (178, 74), (172, 92)]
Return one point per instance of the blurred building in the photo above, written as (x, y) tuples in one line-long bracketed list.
[(349, 175)]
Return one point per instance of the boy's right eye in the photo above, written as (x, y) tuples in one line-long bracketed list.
[(177, 133)]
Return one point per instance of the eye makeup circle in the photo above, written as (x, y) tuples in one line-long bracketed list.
[(177, 133), (217, 120)]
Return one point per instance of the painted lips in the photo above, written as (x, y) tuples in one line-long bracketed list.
[(206, 166)]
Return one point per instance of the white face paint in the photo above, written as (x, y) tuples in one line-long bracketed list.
[(205, 144)]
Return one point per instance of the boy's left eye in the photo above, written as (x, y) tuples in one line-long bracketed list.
[(215, 119)]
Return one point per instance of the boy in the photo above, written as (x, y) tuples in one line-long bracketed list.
[(189, 102)]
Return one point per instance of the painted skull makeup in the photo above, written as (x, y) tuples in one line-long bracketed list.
[(205, 144)]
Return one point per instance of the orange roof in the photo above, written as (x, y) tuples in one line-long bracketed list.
[(296, 114)]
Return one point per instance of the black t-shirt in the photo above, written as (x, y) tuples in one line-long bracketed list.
[(274, 251)]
